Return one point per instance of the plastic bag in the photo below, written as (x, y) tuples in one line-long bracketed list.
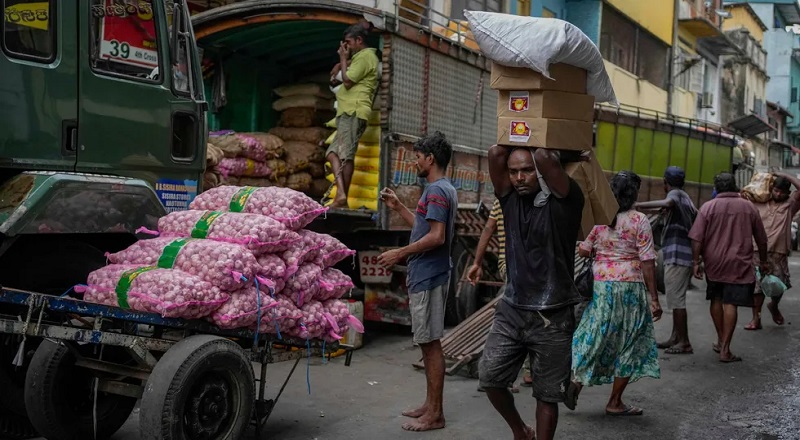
[(771, 285), (256, 232), (221, 264), (170, 293), (535, 43), (292, 208), (759, 189)]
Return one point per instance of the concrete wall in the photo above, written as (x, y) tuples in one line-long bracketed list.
[(586, 15), (684, 103), (765, 11), (654, 15), (743, 19), (634, 91)]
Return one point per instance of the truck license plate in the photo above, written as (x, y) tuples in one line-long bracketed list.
[(371, 271)]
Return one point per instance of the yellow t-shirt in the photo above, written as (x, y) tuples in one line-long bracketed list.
[(363, 71)]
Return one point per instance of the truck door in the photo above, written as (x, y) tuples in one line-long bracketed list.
[(138, 114), (38, 85)]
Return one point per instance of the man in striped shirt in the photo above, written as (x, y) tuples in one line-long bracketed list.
[(495, 225), (680, 213)]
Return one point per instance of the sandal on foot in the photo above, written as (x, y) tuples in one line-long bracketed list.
[(628, 411), (733, 358), (679, 350), (663, 345), (715, 347), (752, 327)]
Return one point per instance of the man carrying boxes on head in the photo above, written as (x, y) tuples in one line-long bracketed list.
[(542, 124)]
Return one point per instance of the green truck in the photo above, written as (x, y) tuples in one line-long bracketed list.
[(104, 118)]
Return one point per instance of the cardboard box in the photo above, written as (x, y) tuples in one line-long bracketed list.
[(545, 104), (560, 134), (566, 78), (600, 206)]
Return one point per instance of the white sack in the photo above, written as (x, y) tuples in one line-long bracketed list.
[(535, 43)]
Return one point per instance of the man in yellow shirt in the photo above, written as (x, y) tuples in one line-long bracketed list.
[(359, 69)]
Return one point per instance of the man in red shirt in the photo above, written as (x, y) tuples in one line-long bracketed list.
[(723, 234)]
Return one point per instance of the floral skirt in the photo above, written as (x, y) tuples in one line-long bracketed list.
[(615, 337)]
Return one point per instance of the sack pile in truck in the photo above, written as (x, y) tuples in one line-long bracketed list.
[(239, 258)]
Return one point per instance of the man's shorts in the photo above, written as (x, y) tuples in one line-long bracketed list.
[(427, 313), (676, 283), (545, 336), (734, 294), (349, 129)]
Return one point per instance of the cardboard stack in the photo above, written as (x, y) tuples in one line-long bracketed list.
[(534, 111)]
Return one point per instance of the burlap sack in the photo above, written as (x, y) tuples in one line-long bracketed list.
[(230, 144), (213, 155), (302, 101), (299, 181), (316, 169), (600, 206), (304, 117), (308, 89), (300, 154), (314, 135)]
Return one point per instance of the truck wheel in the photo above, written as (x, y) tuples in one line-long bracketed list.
[(60, 400), (460, 257), (202, 388)]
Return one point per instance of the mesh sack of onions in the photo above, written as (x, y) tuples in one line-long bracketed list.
[(168, 292), (332, 251), (339, 319), (261, 146), (281, 317), (293, 209), (333, 283), (242, 309), (312, 324), (240, 166), (304, 251), (273, 268), (258, 233), (303, 285), (221, 264)]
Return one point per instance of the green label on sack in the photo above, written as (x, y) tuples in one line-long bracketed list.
[(124, 284), (240, 198), (204, 223), (170, 253)]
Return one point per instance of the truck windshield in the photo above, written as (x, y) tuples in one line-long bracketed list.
[(125, 38)]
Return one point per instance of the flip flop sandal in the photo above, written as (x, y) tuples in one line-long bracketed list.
[(676, 350), (752, 327), (715, 347), (732, 359), (628, 411)]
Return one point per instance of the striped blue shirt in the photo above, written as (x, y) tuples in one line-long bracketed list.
[(676, 245)]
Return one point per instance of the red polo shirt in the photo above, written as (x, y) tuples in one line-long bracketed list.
[(726, 227)]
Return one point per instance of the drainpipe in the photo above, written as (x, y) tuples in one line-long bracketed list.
[(671, 70)]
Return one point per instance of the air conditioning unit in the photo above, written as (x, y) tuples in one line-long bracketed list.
[(707, 100)]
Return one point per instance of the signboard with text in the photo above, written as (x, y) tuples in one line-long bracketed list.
[(128, 33)]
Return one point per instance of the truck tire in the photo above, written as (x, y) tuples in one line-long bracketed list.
[(460, 257), (59, 397), (202, 388)]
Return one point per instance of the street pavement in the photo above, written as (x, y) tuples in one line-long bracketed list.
[(697, 397)]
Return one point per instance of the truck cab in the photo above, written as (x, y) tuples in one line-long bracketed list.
[(102, 130)]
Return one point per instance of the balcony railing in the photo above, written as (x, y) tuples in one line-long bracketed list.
[(693, 9)]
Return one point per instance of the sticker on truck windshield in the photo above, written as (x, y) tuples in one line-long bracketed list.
[(176, 195), (518, 102), (129, 34), (520, 132)]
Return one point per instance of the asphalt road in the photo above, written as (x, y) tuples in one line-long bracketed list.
[(696, 398)]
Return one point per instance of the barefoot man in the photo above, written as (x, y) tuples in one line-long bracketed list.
[(723, 236), (428, 254), (542, 209), (358, 65), (777, 215)]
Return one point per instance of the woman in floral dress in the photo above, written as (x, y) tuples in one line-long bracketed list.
[(615, 341)]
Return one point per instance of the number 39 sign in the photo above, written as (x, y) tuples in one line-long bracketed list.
[(371, 271), (129, 34)]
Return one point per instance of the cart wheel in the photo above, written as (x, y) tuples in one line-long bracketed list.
[(202, 388), (59, 397)]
